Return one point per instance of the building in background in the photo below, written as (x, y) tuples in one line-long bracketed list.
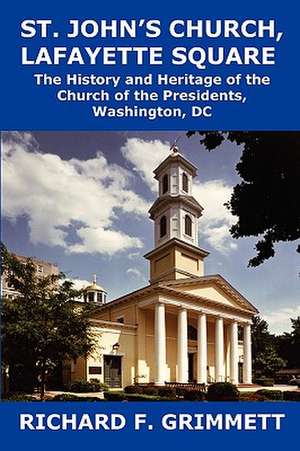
[(43, 268)]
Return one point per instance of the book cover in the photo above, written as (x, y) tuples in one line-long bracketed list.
[(150, 163)]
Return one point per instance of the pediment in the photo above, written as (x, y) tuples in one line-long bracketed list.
[(214, 289)]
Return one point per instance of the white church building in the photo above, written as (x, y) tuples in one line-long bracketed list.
[(185, 325)]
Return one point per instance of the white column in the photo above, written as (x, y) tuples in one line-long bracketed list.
[(219, 351), (182, 347), (247, 365), (202, 350), (160, 344), (234, 356)]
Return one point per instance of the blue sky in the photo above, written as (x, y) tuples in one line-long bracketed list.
[(81, 200)]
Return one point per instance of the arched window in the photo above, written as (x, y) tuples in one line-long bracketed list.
[(188, 225), (163, 226), (165, 184), (185, 183)]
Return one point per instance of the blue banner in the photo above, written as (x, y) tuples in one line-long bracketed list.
[(156, 66), (147, 425)]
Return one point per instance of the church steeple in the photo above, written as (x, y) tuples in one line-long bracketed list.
[(175, 214)]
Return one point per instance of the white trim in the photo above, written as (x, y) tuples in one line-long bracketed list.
[(114, 331), (113, 323), (191, 306)]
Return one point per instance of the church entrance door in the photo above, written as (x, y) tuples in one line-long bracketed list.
[(191, 367), (113, 371)]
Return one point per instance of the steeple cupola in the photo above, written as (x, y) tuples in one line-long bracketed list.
[(95, 293), (175, 214)]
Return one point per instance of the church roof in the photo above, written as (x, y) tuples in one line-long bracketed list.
[(166, 200), (94, 286), (172, 288), (175, 241), (219, 281), (175, 157)]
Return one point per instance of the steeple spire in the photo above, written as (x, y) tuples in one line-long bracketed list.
[(175, 214), (174, 148)]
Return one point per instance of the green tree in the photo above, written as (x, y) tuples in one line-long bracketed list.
[(266, 201), (261, 337), (268, 362), (41, 326), (295, 341), (265, 358), (288, 344)]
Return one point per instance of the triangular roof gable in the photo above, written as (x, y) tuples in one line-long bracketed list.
[(214, 288)]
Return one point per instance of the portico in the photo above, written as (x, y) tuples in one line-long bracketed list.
[(221, 325)]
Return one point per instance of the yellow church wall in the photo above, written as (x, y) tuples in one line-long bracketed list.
[(113, 313), (186, 261), (168, 264), (137, 350), (105, 339), (74, 370), (162, 264), (128, 313), (212, 293), (104, 315), (78, 369), (137, 345)]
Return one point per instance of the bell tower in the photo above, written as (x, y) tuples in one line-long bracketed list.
[(175, 214)]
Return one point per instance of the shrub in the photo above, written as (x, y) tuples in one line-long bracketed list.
[(272, 395), (167, 392), (142, 397), (265, 382), (115, 396), (180, 391), (222, 391), (99, 386), (151, 391), (194, 395), (133, 389), (291, 396), (20, 397), (82, 386), (68, 397), (251, 396)]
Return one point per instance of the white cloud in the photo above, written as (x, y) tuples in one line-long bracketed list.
[(279, 320), (86, 197), (135, 273), (109, 241), (59, 195), (216, 219), (79, 284), (133, 255), (145, 157)]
